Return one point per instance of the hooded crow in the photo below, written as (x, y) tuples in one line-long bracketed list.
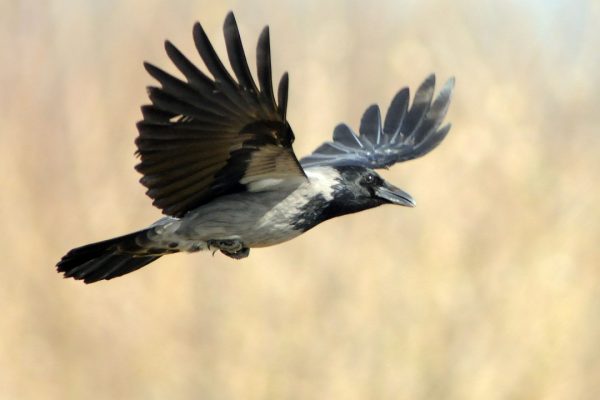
[(217, 159)]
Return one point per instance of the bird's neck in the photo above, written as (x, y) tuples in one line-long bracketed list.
[(326, 198)]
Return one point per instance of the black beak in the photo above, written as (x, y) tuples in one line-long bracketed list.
[(394, 195)]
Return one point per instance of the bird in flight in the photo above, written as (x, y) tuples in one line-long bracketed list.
[(217, 159)]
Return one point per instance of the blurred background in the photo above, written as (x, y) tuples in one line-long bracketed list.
[(489, 289)]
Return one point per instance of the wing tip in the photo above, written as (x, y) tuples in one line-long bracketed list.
[(197, 27), (263, 46), (169, 47), (230, 23), (428, 84), (150, 68), (230, 17), (429, 80), (448, 87), (199, 35), (282, 94), (264, 34)]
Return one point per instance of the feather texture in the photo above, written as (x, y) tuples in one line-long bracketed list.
[(406, 133), (205, 137)]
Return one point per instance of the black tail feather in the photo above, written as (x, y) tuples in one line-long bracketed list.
[(107, 259)]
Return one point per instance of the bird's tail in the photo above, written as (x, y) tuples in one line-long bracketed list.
[(109, 258)]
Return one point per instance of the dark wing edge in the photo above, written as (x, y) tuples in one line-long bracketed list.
[(205, 137), (405, 134)]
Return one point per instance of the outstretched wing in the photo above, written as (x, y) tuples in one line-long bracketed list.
[(206, 137), (407, 132)]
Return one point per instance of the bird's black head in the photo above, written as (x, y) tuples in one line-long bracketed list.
[(342, 190), (362, 188)]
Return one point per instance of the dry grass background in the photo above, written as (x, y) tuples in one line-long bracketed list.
[(489, 289)]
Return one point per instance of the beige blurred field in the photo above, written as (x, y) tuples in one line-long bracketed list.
[(489, 289)]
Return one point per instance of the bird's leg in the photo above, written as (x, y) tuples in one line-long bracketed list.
[(233, 248)]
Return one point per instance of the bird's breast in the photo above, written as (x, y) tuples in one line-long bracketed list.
[(257, 219)]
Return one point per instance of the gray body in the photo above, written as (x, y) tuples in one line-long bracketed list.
[(255, 218)]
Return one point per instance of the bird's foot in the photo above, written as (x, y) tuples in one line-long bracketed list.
[(233, 248), (238, 255), (229, 245)]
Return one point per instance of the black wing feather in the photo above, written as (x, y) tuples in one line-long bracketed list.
[(200, 82), (210, 57), (407, 132), (343, 135), (420, 105), (282, 95), (370, 127), (206, 137), (263, 66), (236, 54), (396, 113)]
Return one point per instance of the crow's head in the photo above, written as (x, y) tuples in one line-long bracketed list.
[(360, 188)]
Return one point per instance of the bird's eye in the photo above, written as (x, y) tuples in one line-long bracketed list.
[(370, 178)]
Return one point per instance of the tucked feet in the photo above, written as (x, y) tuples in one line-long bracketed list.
[(231, 248), (238, 255)]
